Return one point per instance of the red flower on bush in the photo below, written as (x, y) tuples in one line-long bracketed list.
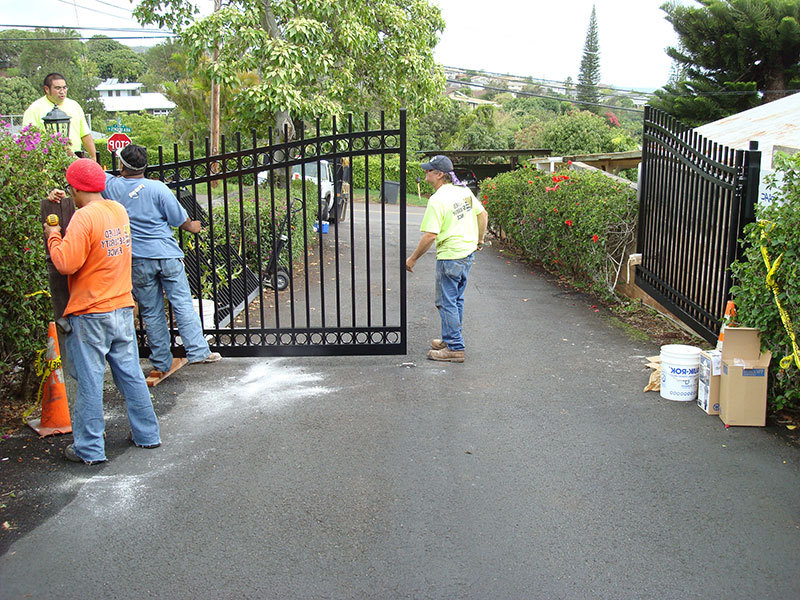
[(551, 189), (568, 223), (529, 181), (595, 238), (555, 210), (485, 197)]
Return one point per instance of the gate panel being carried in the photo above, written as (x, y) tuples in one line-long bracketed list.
[(695, 198), (299, 253)]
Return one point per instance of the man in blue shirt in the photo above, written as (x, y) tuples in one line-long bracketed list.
[(157, 260)]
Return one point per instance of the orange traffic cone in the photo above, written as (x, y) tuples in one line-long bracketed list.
[(727, 321), (55, 409)]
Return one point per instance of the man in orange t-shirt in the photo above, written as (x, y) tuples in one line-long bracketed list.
[(95, 254)]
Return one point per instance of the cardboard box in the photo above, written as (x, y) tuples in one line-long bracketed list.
[(708, 381), (743, 382)]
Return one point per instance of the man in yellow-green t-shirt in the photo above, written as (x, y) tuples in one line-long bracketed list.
[(456, 221), (55, 94)]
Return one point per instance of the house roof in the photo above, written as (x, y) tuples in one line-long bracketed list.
[(146, 101), (114, 84), (456, 95), (772, 124)]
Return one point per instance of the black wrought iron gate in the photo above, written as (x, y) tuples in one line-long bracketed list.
[(302, 250), (695, 198)]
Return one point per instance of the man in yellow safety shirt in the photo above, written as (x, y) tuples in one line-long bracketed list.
[(55, 94)]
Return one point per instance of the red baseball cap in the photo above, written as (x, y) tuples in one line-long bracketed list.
[(86, 175)]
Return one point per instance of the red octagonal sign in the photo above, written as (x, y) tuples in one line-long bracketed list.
[(117, 142)]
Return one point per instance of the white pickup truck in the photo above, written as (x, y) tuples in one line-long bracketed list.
[(333, 205)]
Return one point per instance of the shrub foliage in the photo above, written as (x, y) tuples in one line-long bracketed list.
[(32, 163), (576, 223), (777, 232)]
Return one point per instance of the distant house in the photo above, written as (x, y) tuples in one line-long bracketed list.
[(469, 100), (128, 98)]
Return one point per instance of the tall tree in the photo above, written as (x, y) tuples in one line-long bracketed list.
[(164, 64), (589, 75), (11, 47), (732, 55), (114, 60), (16, 94), (47, 51), (311, 58)]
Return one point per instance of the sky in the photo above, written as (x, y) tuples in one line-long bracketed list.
[(539, 38), (544, 39)]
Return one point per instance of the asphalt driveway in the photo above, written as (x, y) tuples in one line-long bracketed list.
[(537, 469)]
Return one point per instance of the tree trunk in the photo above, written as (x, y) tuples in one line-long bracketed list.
[(283, 119), (775, 84)]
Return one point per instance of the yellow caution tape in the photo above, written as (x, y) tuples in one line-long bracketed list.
[(772, 268), (44, 368)]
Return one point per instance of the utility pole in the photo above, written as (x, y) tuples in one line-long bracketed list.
[(215, 98)]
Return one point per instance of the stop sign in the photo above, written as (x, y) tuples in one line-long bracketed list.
[(117, 142)]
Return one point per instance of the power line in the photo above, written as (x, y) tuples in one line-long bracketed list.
[(127, 10), (77, 27), (552, 83), (548, 81), (73, 4), (84, 37), (531, 94)]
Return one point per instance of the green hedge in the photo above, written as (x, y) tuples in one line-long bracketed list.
[(777, 230), (576, 223), (31, 164)]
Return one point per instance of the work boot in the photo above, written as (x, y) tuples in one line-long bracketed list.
[(211, 358), (446, 355), (438, 344), (70, 455)]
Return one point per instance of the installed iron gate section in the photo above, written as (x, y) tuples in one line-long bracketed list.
[(346, 292), (695, 198)]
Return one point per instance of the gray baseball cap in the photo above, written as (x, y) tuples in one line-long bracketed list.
[(438, 163)]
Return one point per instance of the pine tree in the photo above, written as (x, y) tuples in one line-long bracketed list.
[(589, 75), (732, 55)]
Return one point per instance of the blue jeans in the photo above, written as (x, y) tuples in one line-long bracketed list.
[(152, 278), (95, 338), (451, 281)]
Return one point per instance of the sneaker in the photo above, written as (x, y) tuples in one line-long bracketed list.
[(70, 455), (148, 446), (438, 344), (446, 355), (211, 358)]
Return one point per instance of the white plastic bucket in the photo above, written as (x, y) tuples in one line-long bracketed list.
[(680, 368)]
